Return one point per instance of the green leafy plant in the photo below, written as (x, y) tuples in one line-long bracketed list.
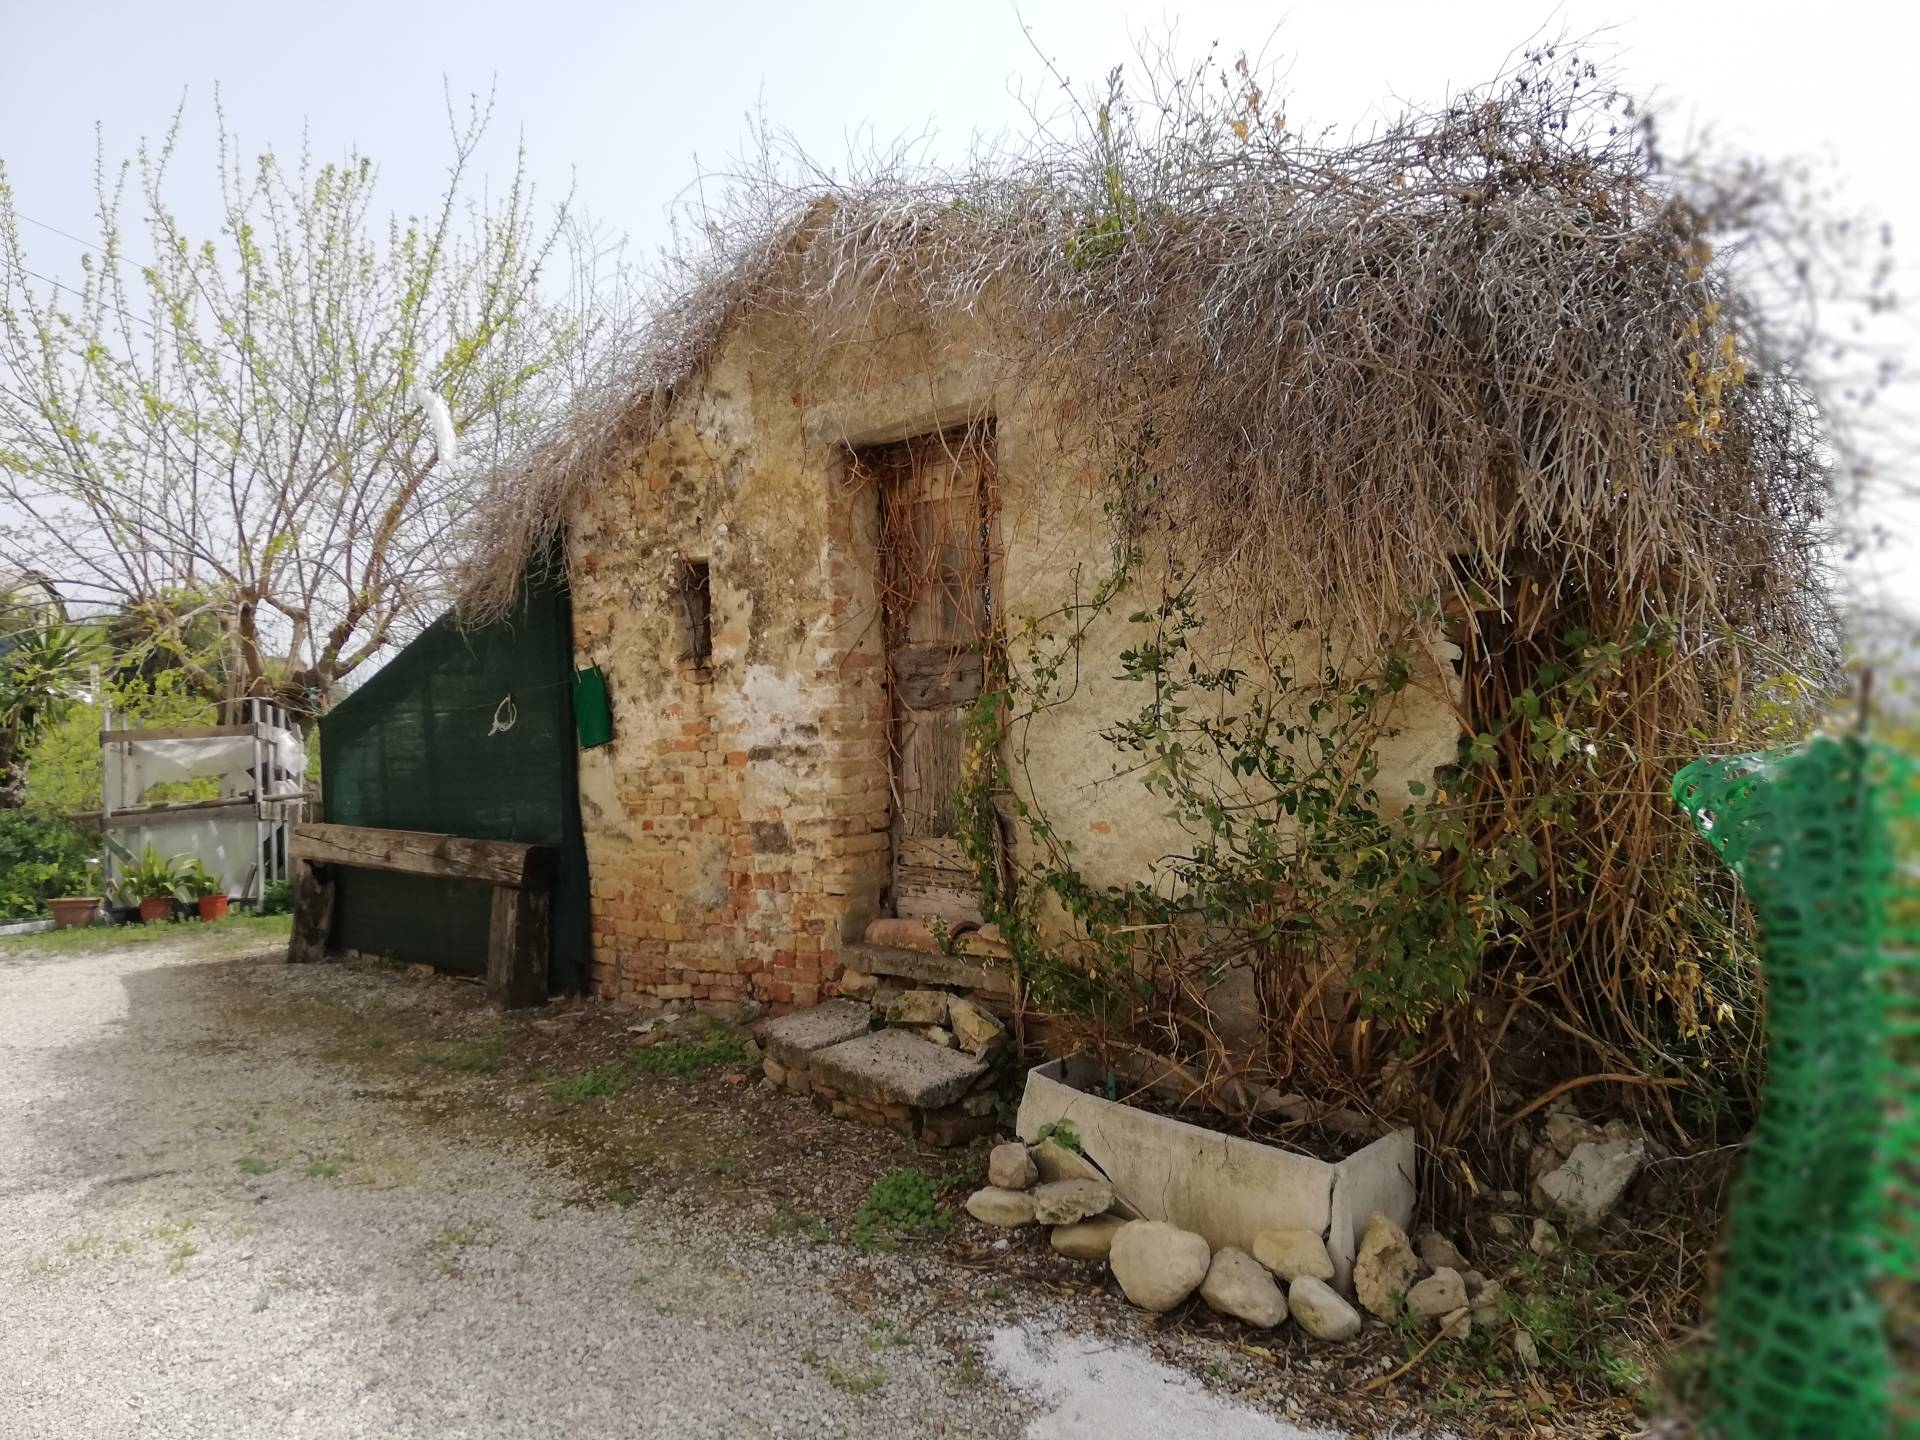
[(153, 876), (1062, 1133), (277, 898), (901, 1202), (195, 881)]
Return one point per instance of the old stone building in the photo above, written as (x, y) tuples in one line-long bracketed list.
[(789, 586)]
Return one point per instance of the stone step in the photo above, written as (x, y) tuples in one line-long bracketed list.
[(963, 971), (894, 1067), (793, 1039)]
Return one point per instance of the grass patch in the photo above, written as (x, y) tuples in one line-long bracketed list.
[(323, 1170), (901, 1202), (681, 1057), (236, 933), (254, 1165)]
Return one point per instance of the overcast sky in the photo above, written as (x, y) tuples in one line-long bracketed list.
[(618, 99)]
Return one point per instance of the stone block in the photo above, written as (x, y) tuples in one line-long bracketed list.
[(793, 1039), (892, 1066)]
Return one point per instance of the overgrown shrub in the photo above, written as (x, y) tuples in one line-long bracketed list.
[(42, 858)]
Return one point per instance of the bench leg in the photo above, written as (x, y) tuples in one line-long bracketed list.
[(313, 889), (517, 944)]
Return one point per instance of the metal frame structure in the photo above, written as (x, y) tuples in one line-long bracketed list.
[(262, 793)]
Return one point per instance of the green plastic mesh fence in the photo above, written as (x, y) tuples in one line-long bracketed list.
[(465, 732), (1817, 1297)]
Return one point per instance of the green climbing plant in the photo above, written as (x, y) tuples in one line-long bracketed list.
[(1299, 863)]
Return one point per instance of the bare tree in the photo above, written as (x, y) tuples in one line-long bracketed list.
[(257, 429)]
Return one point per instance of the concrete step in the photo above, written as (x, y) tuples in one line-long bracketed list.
[(893, 1067), (963, 971)]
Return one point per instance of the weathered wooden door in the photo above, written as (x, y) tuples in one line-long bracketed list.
[(935, 494)]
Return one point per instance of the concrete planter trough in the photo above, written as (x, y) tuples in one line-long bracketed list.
[(1225, 1187)]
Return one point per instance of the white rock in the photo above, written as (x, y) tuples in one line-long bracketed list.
[(1319, 1310), (994, 1206), (1544, 1240), (1589, 1184), (1010, 1167), (1062, 1202), (1440, 1253), (1239, 1285), (1457, 1324), (1441, 1293), (1384, 1268), (1503, 1226), (1158, 1265), (1487, 1309), (940, 1036), (1087, 1240), (1525, 1350), (1291, 1254)]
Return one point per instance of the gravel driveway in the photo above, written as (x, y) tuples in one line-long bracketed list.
[(216, 1221)]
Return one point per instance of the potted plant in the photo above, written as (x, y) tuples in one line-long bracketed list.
[(203, 887), (73, 911), (154, 881)]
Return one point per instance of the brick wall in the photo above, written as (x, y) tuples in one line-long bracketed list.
[(736, 827)]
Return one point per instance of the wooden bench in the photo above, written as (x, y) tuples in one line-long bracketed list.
[(518, 940)]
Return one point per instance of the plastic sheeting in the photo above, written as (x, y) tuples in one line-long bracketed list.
[(230, 758)]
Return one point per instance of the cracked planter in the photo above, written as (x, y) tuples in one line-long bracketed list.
[(1226, 1187)]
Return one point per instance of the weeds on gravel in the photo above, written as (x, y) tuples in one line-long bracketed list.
[(323, 1170), (254, 1165), (1572, 1313), (900, 1202), (788, 1221), (480, 1057), (682, 1057), (854, 1383)]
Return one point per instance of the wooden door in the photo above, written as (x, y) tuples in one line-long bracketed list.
[(935, 496)]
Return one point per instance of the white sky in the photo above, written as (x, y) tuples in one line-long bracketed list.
[(621, 98)]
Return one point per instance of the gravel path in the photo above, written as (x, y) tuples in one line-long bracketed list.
[(208, 1232)]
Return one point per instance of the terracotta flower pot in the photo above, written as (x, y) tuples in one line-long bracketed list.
[(213, 907), (156, 907), (73, 912)]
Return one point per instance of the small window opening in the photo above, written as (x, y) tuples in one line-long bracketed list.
[(696, 599)]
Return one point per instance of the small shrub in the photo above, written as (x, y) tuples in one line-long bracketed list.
[(900, 1202), (253, 1165), (1062, 1133), (277, 898)]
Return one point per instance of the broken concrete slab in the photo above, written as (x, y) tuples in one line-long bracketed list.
[(890, 1067), (793, 1039), (935, 969)]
